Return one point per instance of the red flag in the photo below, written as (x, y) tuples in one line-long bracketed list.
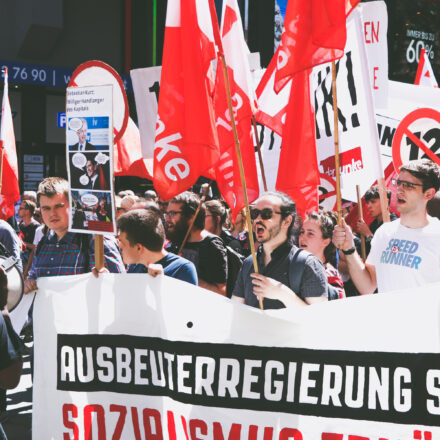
[(425, 74), (314, 33), (127, 158), (243, 100), (10, 192), (298, 174), (272, 106), (186, 136)]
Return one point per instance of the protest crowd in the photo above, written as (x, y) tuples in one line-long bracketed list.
[(271, 252)]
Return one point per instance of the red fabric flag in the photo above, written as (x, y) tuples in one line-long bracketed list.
[(314, 33), (243, 100), (186, 137), (10, 192), (127, 158), (298, 174)]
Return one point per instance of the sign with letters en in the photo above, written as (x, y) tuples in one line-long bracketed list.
[(134, 357), (89, 152)]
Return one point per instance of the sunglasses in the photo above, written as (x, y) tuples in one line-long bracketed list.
[(266, 213), (405, 184)]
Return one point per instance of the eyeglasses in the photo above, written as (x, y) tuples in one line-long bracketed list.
[(172, 213), (405, 184), (266, 213)]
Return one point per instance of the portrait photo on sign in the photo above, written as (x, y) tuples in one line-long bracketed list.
[(90, 170), (88, 133), (91, 211)]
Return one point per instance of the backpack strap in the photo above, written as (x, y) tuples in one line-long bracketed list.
[(296, 268)]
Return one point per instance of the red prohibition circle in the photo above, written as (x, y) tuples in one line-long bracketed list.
[(95, 63), (327, 178), (403, 130)]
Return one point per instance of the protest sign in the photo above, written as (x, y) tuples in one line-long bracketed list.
[(360, 162), (135, 357), (374, 17), (89, 152)]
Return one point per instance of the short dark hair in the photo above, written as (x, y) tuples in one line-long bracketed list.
[(327, 221), (29, 205), (215, 207), (190, 202), (373, 193), (51, 186), (143, 226), (427, 171), (287, 207)]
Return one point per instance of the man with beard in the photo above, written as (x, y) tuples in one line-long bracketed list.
[(205, 250), (274, 216)]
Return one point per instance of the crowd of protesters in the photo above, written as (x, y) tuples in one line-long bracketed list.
[(300, 261)]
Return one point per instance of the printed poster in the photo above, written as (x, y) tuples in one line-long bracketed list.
[(89, 152)]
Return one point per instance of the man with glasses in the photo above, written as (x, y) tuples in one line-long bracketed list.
[(206, 251), (404, 253), (274, 216)]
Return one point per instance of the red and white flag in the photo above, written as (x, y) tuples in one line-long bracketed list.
[(425, 74), (10, 192), (272, 106), (128, 159), (186, 137), (244, 103)]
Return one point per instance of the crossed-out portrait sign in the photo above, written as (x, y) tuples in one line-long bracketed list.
[(417, 137), (89, 152)]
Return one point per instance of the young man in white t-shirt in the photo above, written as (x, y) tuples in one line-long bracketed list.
[(404, 253)]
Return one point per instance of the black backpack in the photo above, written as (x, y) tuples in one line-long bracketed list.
[(235, 262)]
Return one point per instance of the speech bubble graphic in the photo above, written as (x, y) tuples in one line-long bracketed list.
[(89, 199), (79, 160), (102, 158), (84, 180), (75, 124)]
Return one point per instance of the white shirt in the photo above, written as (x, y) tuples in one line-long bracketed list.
[(405, 257)]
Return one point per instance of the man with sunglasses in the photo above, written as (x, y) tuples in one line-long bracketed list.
[(274, 216), (404, 253), (206, 251)]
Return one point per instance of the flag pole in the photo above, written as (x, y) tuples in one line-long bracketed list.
[(361, 217), (99, 252), (336, 138), (236, 141), (260, 157), (383, 200)]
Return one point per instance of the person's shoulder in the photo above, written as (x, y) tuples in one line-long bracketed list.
[(388, 227), (213, 241)]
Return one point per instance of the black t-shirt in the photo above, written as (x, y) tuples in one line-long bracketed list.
[(313, 281), (28, 232), (208, 256)]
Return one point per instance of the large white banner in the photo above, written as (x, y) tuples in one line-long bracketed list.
[(131, 357)]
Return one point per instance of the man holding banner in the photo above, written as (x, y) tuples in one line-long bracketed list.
[(404, 253), (62, 252)]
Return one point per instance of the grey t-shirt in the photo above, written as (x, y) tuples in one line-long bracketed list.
[(313, 282)]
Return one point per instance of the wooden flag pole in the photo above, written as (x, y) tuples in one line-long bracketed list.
[(234, 130), (99, 252), (383, 200), (336, 137), (361, 217), (240, 165), (260, 157), (191, 225)]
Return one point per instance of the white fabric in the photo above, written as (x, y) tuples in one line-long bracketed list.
[(128, 324), (404, 257)]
